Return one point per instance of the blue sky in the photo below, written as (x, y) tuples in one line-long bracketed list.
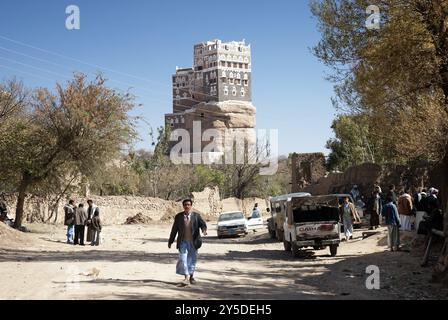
[(138, 44)]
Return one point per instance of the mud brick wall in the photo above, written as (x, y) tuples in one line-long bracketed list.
[(307, 169)]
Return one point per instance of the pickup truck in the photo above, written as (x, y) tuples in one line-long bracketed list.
[(312, 222)]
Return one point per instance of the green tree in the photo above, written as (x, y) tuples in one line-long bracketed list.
[(76, 129), (397, 76), (354, 143)]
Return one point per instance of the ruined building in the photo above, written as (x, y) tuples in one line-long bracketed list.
[(307, 169), (215, 92)]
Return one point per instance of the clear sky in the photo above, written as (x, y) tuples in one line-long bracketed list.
[(137, 44)]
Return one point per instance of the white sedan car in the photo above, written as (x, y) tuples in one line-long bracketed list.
[(231, 223)]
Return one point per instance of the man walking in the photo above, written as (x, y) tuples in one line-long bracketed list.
[(348, 214), (80, 221), (69, 220), (187, 225)]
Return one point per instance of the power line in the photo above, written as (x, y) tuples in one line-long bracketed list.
[(68, 77), (77, 60), (67, 68), (31, 74)]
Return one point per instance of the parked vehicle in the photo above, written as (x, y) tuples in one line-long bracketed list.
[(231, 223), (312, 221), (278, 213)]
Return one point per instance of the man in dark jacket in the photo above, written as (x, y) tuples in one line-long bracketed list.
[(97, 226), (80, 221), (90, 213), (69, 220), (390, 213), (375, 205), (187, 226)]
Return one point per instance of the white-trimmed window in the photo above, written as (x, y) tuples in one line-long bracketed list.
[(238, 75), (226, 90), (245, 77), (242, 92), (223, 74), (246, 83), (233, 91), (231, 75)]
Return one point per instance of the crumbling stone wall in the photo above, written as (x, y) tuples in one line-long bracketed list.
[(246, 205), (307, 169), (208, 201), (113, 209), (367, 175), (117, 209)]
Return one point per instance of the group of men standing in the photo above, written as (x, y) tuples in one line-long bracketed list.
[(77, 218), (398, 211)]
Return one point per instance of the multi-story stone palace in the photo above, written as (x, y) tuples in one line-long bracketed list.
[(216, 91)]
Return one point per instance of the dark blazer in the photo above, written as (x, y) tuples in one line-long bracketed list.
[(69, 218), (179, 228)]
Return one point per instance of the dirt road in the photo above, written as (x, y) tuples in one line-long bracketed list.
[(135, 263)]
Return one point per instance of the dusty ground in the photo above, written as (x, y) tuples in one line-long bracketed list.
[(135, 263)]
